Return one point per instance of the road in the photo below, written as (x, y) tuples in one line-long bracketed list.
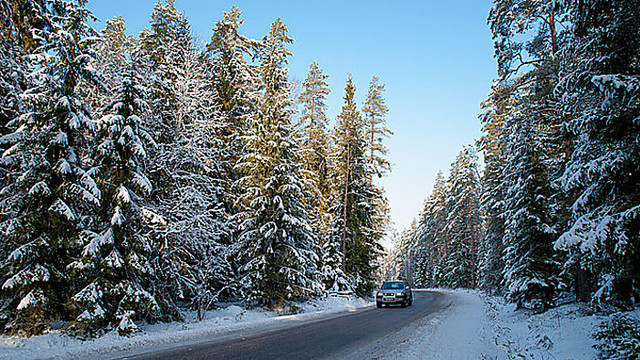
[(325, 338)]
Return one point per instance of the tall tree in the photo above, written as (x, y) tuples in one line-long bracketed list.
[(315, 142), (115, 257), (354, 208), (277, 259), (527, 50), (48, 192), (375, 110), (498, 107), (600, 88), (462, 229), (314, 151), (233, 84)]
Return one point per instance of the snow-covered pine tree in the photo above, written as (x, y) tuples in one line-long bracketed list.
[(354, 209), (111, 58), (191, 252), (462, 231), (600, 87), (498, 107), (276, 244), (315, 146), (48, 192), (166, 46), (374, 111), (527, 46), (530, 274), (314, 151), (233, 84), (431, 239), (114, 257)]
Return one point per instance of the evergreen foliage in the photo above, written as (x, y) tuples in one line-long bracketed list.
[(48, 192), (114, 257), (374, 111), (600, 89), (356, 209), (276, 255), (142, 176)]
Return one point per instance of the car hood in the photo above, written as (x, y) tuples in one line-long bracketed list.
[(391, 291)]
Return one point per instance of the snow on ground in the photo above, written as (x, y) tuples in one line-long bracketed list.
[(564, 332), (476, 326), (216, 322), (461, 331)]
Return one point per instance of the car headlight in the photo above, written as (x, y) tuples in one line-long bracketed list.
[(399, 295), (379, 294)]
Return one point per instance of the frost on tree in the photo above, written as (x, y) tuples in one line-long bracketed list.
[(114, 260), (48, 192), (233, 84), (459, 268), (276, 244), (359, 208), (600, 87)]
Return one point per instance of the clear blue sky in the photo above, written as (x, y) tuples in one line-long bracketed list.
[(435, 57)]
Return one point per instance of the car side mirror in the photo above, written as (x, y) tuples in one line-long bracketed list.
[(407, 287)]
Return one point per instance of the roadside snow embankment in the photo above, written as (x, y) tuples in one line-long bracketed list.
[(476, 326), (216, 323), (564, 332), (461, 330)]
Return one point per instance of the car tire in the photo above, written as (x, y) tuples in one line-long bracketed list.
[(404, 304), (411, 302), (378, 305)]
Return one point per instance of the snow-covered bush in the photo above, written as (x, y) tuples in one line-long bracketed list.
[(619, 337)]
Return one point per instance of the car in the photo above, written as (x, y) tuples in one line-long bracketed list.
[(394, 292)]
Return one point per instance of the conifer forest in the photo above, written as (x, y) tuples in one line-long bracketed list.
[(142, 176)]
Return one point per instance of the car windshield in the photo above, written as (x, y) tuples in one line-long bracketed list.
[(393, 285)]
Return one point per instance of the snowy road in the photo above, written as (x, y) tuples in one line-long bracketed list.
[(342, 336)]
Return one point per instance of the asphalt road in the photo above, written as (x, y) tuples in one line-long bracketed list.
[(325, 338)]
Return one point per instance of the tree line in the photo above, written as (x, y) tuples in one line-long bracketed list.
[(555, 211), (145, 175)]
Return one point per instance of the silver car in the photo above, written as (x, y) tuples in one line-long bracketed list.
[(394, 292)]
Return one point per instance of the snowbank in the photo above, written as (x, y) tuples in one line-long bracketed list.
[(476, 326), (461, 331), (216, 323), (564, 332)]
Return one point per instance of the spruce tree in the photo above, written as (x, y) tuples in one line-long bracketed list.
[(48, 191), (276, 244), (527, 45), (600, 89), (493, 142), (232, 82), (356, 227), (314, 148), (115, 257), (462, 230)]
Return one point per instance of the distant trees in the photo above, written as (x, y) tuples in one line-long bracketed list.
[(143, 175), (558, 196)]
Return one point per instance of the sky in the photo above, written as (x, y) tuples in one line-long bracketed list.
[(434, 57)]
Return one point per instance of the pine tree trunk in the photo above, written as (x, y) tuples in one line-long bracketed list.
[(583, 285), (346, 194), (372, 139), (552, 29), (313, 105)]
